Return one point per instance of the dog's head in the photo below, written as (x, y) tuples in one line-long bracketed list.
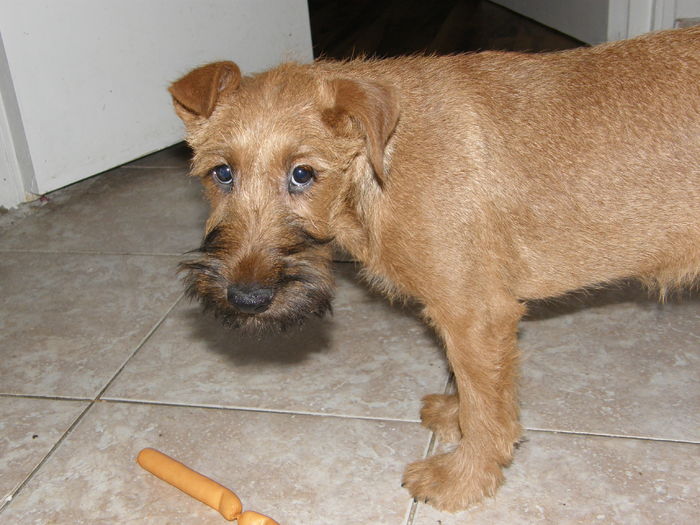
[(287, 159)]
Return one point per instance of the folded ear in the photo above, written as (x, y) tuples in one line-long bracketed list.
[(195, 95), (375, 107)]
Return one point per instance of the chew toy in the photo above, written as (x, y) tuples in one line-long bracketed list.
[(199, 487)]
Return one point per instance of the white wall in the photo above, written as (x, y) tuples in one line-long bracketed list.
[(90, 76), (687, 12), (596, 21), (687, 8), (585, 20)]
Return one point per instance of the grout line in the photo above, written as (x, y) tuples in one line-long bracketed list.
[(46, 397), (412, 512), (411, 516), (432, 443), (322, 414), (615, 436), (140, 345), (431, 446), (254, 409), (90, 252)]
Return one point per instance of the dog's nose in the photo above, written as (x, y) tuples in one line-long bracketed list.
[(250, 298)]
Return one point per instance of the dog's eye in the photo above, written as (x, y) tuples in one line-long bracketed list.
[(223, 174), (300, 178)]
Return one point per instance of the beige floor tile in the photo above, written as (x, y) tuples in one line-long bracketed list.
[(297, 469), (369, 359), (69, 322), (126, 210), (563, 479), (29, 428), (624, 365)]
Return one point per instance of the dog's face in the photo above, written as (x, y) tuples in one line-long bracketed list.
[(275, 154)]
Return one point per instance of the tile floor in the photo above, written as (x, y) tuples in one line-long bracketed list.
[(101, 356)]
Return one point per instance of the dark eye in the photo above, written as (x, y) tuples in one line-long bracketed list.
[(223, 174), (301, 177)]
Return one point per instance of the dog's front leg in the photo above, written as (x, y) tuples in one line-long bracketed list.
[(482, 350)]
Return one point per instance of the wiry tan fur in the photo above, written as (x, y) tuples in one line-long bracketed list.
[(469, 183)]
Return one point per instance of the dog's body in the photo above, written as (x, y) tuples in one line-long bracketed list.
[(468, 183)]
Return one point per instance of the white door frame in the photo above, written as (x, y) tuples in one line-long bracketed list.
[(596, 21), (16, 172)]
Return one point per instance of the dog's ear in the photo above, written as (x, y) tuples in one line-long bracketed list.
[(375, 107), (195, 95)]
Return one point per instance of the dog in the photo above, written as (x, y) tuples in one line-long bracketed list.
[(469, 184)]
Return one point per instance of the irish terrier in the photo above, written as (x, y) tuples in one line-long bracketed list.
[(468, 183)]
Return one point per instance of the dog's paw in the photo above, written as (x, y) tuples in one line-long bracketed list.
[(440, 413), (448, 484)]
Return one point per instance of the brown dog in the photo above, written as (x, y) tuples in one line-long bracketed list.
[(467, 183)]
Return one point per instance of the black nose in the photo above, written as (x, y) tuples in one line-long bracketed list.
[(250, 298)]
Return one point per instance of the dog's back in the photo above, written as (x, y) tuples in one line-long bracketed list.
[(585, 163), (610, 178)]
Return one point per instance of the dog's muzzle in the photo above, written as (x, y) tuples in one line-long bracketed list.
[(249, 298)]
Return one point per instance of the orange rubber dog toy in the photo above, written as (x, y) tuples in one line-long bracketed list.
[(199, 487)]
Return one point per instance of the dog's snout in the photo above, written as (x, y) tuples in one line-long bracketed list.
[(250, 298)]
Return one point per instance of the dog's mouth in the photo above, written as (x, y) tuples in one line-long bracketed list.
[(254, 308), (301, 286)]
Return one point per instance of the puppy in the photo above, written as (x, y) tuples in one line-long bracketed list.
[(467, 183)]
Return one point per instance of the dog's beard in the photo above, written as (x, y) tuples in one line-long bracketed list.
[(303, 287)]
